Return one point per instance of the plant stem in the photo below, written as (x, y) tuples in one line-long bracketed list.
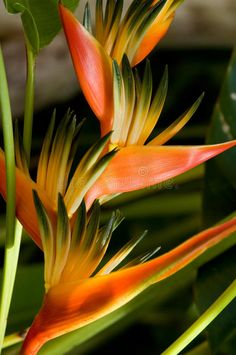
[(12, 243), (29, 102), (9, 271), (13, 230), (203, 321), (13, 339)]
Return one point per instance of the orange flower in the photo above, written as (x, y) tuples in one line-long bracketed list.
[(136, 34), (77, 291), (54, 166), (124, 104), (135, 115)]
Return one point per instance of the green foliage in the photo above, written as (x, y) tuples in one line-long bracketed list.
[(27, 297), (220, 200), (220, 186), (40, 19), (212, 281)]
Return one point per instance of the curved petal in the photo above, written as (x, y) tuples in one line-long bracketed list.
[(93, 67), (25, 210), (70, 306), (136, 167), (153, 36)]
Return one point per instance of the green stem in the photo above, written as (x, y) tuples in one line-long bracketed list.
[(29, 102), (203, 321), (13, 339), (12, 243), (9, 271), (13, 231)]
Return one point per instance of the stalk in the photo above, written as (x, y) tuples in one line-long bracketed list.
[(12, 239), (13, 230), (203, 321)]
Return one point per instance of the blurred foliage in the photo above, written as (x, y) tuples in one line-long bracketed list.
[(212, 280), (219, 201), (220, 182)]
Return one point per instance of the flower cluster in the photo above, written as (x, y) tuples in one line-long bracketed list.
[(61, 209)]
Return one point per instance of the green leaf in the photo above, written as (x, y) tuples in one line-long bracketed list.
[(27, 297), (220, 180), (220, 200), (40, 19), (212, 280)]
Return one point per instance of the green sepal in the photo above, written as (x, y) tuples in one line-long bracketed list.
[(117, 91), (87, 22), (160, 96), (92, 226), (143, 25), (127, 76), (112, 18), (43, 220), (79, 227), (62, 224), (92, 155), (82, 181)]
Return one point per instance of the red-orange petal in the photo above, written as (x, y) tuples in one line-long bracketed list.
[(93, 68), (70, 306), (25, 210), (137, 167), (153, 36)]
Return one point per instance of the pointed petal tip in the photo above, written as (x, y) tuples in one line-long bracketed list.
[(137, 167)]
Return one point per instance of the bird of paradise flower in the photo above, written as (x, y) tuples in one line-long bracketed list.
[(53, 173), (124, 103), (78, 290), (136, 34)]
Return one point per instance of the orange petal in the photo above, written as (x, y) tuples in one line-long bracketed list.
[(153, 36), (93, 68), (72, 305), (25, 210), (136, 167)]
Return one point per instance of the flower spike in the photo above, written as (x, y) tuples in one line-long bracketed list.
[(136, 113), (25, 210), (135, 34), (79, 294), (53, 171)]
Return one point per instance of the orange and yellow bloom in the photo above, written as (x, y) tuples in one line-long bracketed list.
[(124, 104), (53, 171), (135, 34), (78, 290), (141, 162)]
